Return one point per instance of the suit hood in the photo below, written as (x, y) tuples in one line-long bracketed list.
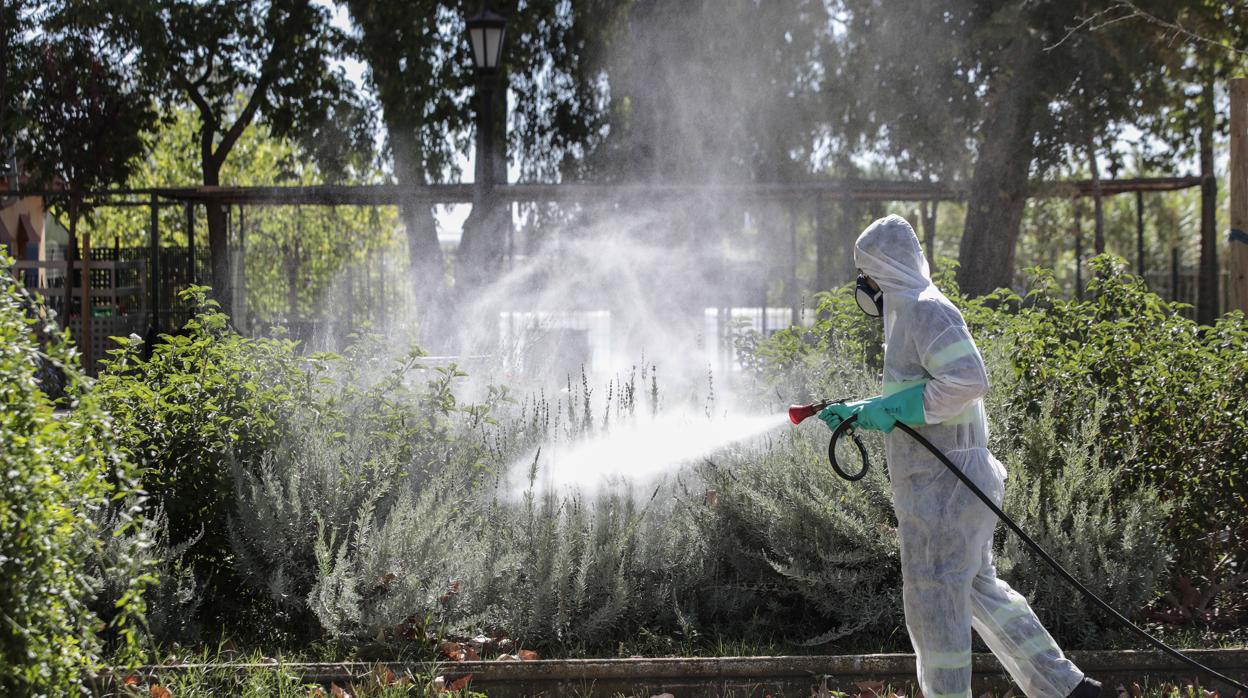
[(888, 251)]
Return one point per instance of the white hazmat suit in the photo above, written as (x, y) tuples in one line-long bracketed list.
[(949, 581)]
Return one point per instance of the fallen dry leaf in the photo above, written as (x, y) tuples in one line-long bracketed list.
[(870, 688), (158, 691), (383, 676), (460, 684), (453, 590)]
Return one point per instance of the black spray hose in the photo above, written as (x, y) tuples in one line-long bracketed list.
[(847, 425)]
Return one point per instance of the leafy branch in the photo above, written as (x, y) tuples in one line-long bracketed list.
[(1126, 10)]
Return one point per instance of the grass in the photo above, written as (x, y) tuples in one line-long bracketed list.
[(218, 673), (209, 676)]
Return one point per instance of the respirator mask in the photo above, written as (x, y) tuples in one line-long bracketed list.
[(870, 300)]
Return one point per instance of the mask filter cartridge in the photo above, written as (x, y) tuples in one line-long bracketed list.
[(870, 300)]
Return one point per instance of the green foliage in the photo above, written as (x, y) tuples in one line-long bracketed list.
[(204, 399), (1171, 390), (58, 469), (842, 331), (293, 256), (1072, 499), (798, 553), (375, 453), (171, 605), (88, 119), (266, 677), (277, 53), (357, 498)]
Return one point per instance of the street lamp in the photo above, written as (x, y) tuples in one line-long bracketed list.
[(485, 35)]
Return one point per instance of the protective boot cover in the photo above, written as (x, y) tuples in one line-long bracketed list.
[(949, 581)]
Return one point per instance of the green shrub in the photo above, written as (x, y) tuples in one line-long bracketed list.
[(356, 497), (1066, 494), (204, 400), (1172, 393), (372, 444), (57, 469), (171, 605), (800, 555)]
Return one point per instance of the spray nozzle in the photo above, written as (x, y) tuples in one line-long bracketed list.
[(799, 413)]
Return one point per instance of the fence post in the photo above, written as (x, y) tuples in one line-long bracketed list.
[(1237, 254), (84, 335), (795, 298), (190, 242), (1139, 234), (1174, 273), (1078, 250), (153, 237)]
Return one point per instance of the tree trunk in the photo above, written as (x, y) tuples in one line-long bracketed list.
[(999, 184), (483, 245), (851, 227), (426, 266), (1207, 291), (425, 260), (826, 244), (928, 216), (218, 243)]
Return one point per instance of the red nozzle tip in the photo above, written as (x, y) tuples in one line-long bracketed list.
[(799, 413)]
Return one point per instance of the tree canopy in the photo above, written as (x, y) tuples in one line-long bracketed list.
[(985, 93), (278, 54)]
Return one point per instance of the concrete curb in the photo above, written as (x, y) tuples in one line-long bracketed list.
[(744, 676)]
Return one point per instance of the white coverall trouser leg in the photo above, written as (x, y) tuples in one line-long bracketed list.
[(950, 584)]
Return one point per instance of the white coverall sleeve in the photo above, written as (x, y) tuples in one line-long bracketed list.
[(957, 374)]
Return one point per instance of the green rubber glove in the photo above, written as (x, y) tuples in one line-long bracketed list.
[(834, 414), (883, 413)]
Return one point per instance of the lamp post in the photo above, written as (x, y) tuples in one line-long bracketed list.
[(480, 252), (479, 257), (485, 36)]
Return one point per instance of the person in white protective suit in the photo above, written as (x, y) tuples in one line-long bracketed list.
[(934, 380)]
